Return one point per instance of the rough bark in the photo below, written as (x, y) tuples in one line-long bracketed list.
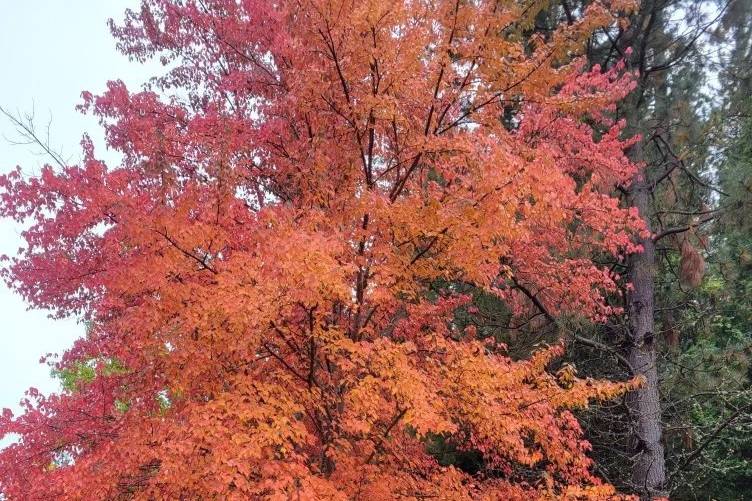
[(648, 472)]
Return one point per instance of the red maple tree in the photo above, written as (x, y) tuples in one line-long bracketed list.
[(269, 278)]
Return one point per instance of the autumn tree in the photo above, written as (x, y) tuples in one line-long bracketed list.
[(271, 278)]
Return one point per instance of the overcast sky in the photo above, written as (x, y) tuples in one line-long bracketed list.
[(50, 51)]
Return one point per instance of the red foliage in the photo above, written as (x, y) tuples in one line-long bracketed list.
[(258, 267)]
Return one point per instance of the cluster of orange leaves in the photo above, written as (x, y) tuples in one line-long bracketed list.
[(268, 275)]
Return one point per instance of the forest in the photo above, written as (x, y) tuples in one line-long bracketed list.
[(399, 249)]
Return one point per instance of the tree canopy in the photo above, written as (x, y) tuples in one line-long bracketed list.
[(271, 279)]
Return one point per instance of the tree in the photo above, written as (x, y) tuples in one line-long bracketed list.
[(270, 278)]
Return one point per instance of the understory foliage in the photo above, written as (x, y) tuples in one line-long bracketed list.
[(712, 438), (273, 275)]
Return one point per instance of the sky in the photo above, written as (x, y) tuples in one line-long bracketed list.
[(50, 51)]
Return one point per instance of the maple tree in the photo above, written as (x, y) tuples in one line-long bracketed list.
[(268, 278)]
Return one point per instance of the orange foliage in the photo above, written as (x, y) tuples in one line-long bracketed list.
[(691, 264), (260, 273)]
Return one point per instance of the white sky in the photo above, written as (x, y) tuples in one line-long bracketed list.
[(50, 51)]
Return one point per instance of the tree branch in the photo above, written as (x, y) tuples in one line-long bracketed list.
[(710, 439), (586, 341)]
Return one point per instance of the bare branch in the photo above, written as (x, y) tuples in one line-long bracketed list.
[(25, 126)]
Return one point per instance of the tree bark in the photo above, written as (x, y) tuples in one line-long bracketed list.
[(649, 470)]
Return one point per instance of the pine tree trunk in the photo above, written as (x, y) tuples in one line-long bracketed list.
[(648, 471)]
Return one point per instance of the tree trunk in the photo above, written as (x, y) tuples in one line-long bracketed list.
[(648, 471)]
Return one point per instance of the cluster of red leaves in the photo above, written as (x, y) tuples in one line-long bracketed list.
[(257, 267)]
